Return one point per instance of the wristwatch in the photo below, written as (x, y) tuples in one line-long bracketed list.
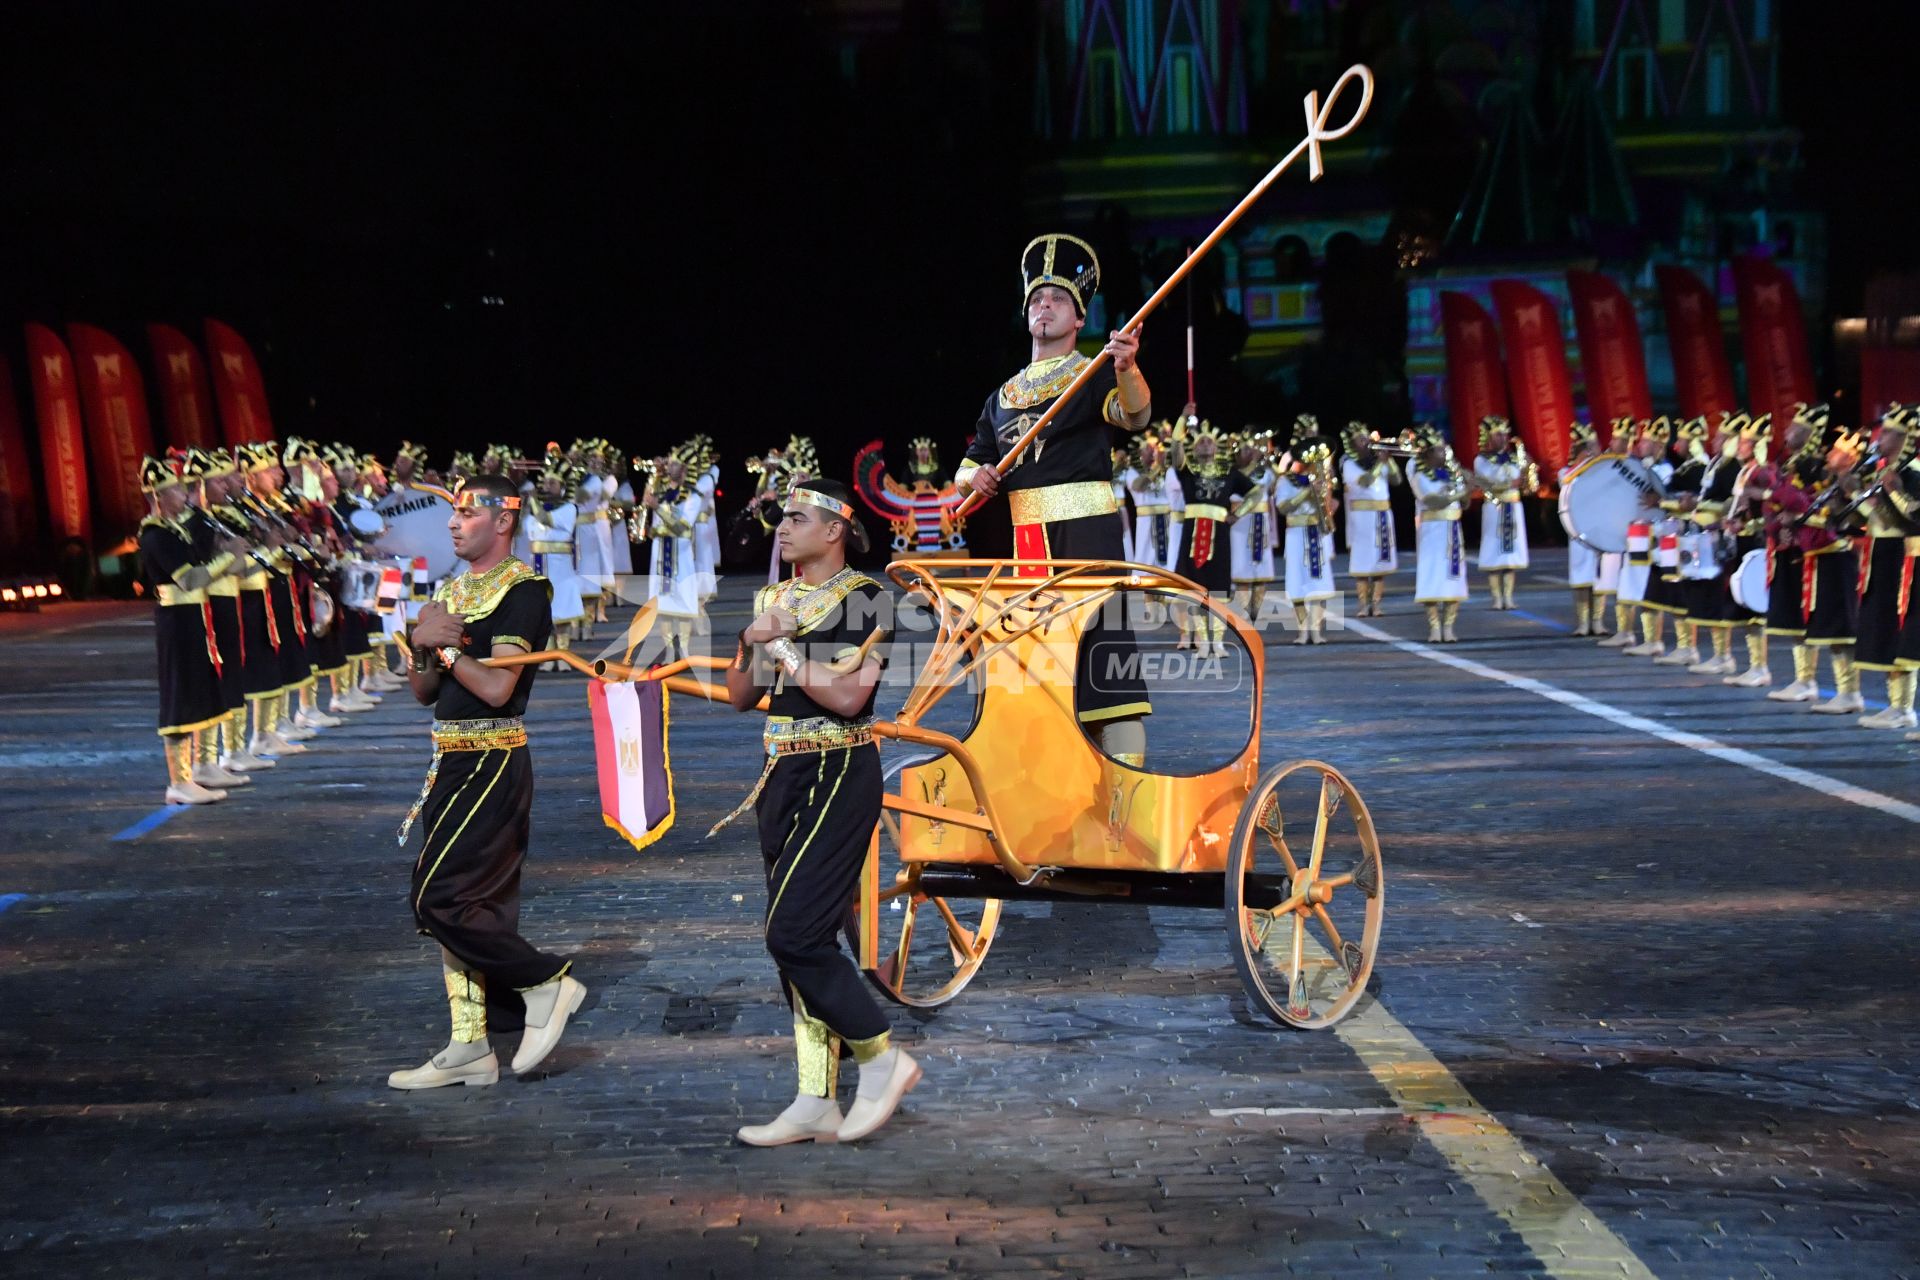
[(449, 654)]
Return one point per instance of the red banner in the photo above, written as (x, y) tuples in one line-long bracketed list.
[(118, 432), (19, 513), (1611, 355), (1537, 375), (1702, 379), (186, 406), (1773, 334), (1476, 386), (63, 445), (238, 387)]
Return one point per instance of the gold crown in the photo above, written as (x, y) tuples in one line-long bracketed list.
[(1660, 428), (1491, 423), (1583, 433), (1694, 428), (800, 455), (157, 474)]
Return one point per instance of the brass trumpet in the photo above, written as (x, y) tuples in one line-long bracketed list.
[(1401, 446)]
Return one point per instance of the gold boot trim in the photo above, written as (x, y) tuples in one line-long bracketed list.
[(817, 1051), (467, 1001), (872, 1047)]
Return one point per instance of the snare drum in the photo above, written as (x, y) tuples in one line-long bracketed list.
[(360, 585)]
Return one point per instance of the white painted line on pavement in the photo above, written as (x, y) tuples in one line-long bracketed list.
[(1862, 796)]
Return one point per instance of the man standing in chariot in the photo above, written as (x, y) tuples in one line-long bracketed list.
[(1061, 490)]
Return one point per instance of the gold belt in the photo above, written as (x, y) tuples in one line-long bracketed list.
[(1505, 495), (1450, 513), (1369, 504), (552, 548), (168, 594), (1051, 503), (590, 517), (1302, 522), (1913, 547), (1158, 509), (1205, 511), (814, 734), (228, 586), (479, 735)]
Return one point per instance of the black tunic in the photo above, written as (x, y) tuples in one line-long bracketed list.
[(183, 634), (1204, 532)]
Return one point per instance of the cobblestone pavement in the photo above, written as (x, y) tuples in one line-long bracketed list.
[(1675, 991)]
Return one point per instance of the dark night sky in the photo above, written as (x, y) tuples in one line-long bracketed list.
[(693, 220)]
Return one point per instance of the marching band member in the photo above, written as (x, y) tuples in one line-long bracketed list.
[(1213, 486), (288, 594), (1709, 603), (1666, 594), (1253, 534), (1060, 491), (1829, 571), (592, 535), (1154, 486), (1747, 525), (1440, 556), (1802, 470), (706, 531), (780, 470), (1611, 564), (672, 508), (1304, 499), (620, 504), (183, 629), (215, 768), (1122, 471), (1372, 551), (1505, 473), (551, 519), (1886, 585), (1583, 562), (475, 809), (810, 652), (1640, 571)]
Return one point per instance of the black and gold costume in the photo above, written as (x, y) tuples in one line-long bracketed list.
[(475, 810), (1212, 491), (177, 573), (816, 806)]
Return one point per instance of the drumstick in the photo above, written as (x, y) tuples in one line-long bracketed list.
[(1317, 133)]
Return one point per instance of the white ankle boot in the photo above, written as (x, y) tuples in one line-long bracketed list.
[(1798, 691), (213, 776), (1752, 678)]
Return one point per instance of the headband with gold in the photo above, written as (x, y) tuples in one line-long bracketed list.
[(814, 498), (466, 499)]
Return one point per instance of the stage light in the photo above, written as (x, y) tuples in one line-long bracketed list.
[(8, 595), (54, 589)]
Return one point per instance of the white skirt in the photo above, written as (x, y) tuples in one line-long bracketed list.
[(593, 542), (1309, 564), (1147, 543), (1606, 578), (1441, 562), (674, 581), (622, 548), (1633, 580), (558, 568), (1503, 535), (1583, 564), (1371, 548), (706, 552), (1253, 563)]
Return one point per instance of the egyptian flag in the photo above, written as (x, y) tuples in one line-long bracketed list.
[(630, 756)]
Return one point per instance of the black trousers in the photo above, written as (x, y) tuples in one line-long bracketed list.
[(1878, 624), (816, 814), (478, 819)]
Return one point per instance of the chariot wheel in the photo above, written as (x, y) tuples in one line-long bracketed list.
[(929, 948), (1304, 895)]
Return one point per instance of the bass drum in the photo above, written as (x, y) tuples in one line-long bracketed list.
[(1749, 583), (1604, 495), (416, 519)]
